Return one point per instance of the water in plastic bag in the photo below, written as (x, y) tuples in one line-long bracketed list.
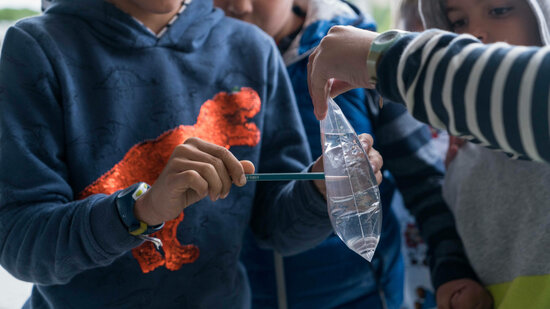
[(352, 191)]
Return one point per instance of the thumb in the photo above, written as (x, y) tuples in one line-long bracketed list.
[(248, 167)]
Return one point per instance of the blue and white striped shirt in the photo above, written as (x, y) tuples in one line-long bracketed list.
[(496, 95)]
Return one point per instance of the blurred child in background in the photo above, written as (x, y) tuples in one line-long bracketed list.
[(500, 204), (331, 275)]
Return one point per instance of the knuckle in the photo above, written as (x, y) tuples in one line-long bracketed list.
[(327, 41), (191, 140), (190, 175), (368, 138), (216, 163), (180, 149), (172, 164), (207, 169), (225, 155), (336, 29)]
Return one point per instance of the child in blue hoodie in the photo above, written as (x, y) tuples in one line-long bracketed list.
[(331, 275), (100, 100)]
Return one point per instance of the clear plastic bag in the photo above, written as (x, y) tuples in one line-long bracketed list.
[(352, 191)]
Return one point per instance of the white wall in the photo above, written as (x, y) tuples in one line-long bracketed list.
[(13, 293), (21, 4), (3, 28)]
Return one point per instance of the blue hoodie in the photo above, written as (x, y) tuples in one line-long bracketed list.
[(92, 102)]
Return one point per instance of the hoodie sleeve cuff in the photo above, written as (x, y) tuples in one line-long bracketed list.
[(451, 270), (108, 231)]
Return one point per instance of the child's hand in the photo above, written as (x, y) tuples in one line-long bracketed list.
[(463, 294), (342, 55), (195, 170), (374, 157)]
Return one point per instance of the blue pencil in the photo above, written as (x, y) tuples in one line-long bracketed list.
[(284, 176)]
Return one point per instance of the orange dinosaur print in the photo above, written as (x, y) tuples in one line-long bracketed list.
[(222, 121)]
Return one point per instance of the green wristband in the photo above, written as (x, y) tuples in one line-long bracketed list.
[(377, 49)]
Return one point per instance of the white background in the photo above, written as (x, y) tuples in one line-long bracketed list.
[(14, 293), (30, 4)]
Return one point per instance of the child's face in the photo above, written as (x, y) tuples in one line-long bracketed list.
[(510, 21), (270, 15)]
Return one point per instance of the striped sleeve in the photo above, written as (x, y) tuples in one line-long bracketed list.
[(409, 154), (494, 95)]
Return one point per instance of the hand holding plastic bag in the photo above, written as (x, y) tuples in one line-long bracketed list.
[(352, 191)]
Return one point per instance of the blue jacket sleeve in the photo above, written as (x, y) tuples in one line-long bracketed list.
[(289, 217), (408, 151), (45, 236), (495, 95)]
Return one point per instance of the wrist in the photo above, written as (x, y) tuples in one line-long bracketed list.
[(126, 206), (144, 211), (378, 47), (369, 39)]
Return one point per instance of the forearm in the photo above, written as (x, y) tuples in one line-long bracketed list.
[(291, 220), (408, 150), (51, 242), (496, 95), (446, 254)]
